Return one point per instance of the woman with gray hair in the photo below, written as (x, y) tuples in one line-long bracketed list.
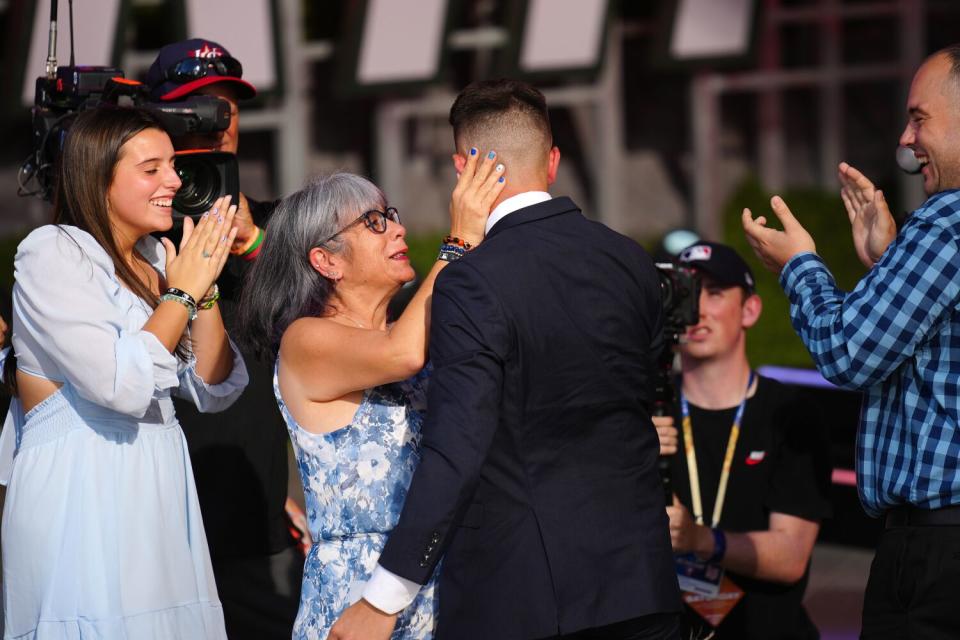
[(351, 387)]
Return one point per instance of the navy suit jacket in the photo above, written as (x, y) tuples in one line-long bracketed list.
[(538, 481)]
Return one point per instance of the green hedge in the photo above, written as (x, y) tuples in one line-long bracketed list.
[(773, 340)]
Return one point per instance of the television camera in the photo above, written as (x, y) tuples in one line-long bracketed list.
[(63, 92)]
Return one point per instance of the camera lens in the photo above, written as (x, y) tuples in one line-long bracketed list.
[(201, 185)]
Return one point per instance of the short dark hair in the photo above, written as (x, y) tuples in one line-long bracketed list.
[(482, 103)]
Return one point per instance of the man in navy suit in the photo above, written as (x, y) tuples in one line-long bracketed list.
[(538, 483)]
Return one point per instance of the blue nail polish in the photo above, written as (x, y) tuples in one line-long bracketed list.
[(473, 151), (492, 155), (501, 179)]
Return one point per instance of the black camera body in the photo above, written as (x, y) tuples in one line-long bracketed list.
[(206, 175), (680, 292)]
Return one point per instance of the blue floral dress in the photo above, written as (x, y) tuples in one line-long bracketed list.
[(355, 480)]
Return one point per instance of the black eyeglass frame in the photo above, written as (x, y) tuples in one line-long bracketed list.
[(225, 66), (376, 223)]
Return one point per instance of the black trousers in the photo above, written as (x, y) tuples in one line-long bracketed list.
[(914, 588), (260, 594), (656, 626)]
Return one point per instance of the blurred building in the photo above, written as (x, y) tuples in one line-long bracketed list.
[(656, 129)]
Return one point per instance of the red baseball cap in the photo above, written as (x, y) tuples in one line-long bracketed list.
[(183, 67)]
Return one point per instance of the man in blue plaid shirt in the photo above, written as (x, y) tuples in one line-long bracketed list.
[(896, 336)]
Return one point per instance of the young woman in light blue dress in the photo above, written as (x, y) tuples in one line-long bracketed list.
[(102, 536), (350, 386)]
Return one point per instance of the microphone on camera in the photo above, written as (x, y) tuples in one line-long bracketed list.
[(907, 160)]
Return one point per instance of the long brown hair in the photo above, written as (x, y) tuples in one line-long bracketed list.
[(85, 173)]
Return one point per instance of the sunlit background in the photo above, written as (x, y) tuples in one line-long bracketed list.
[(669, 114)]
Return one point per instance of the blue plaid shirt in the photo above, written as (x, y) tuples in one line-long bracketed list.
[(896, 336)]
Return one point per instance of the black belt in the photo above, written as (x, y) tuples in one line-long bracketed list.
[(911, 516)]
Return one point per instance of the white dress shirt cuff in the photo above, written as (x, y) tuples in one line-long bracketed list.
[(388, 592)]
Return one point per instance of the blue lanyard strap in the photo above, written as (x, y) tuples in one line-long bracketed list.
[(691, 455)]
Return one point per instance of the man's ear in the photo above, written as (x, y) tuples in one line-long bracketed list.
[(752, 307), (553, 161), (459, 162)]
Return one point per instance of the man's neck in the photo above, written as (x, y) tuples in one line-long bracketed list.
[(514, 190), (718, 383)]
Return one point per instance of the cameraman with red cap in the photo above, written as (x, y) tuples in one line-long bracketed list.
[(240, 455)]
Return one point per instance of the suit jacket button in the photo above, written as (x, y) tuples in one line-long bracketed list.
[(435, 538)]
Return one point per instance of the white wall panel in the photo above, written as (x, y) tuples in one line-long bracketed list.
[(562, 34), (402, 41), (711, 29), (245, 28)]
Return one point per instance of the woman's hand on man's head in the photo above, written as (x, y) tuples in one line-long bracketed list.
[(479, 185)]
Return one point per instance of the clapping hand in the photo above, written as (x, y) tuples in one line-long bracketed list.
[(773, 247), (203, 251), (870, 219)]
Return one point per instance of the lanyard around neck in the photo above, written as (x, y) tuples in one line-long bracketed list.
[(727, 458)]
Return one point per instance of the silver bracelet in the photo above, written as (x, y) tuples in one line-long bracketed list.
[(188, 303)]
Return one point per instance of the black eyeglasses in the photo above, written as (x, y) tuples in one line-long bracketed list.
[(375, 220), (190, 69)]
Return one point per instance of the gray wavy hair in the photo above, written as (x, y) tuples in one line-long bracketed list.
[(282, 285)]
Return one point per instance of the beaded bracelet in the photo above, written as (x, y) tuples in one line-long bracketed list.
[(253, 250), (207, 301), (451, 252), (181, 297), (457, 241)]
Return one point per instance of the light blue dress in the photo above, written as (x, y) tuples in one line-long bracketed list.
[(102, 535), (355, 480)]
